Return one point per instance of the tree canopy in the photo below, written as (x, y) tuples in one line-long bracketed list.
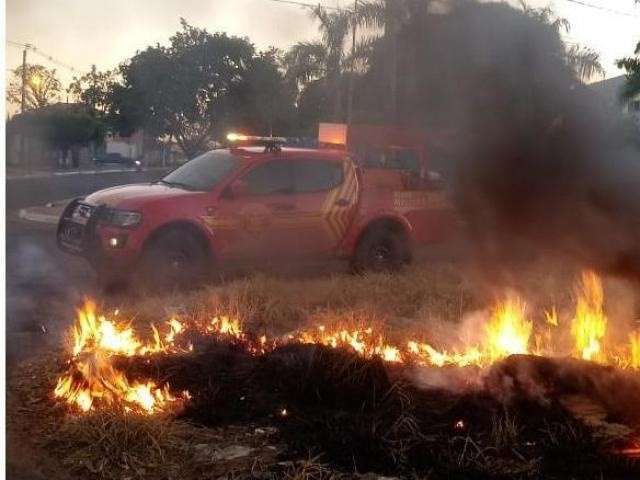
[(94, 89), (41, 87), (61, 125), (198, 85), (632, 67)]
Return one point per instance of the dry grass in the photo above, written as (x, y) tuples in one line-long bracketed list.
[(112, 445), (280, 305)]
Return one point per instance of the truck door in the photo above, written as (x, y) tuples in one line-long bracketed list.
[(250, 209), (289, 208), (326, 193)]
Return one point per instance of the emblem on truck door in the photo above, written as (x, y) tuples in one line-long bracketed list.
[(336, 208)]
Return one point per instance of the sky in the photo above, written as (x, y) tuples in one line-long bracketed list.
[(80, 33)]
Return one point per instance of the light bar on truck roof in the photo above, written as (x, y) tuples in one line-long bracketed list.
[(239, 137)]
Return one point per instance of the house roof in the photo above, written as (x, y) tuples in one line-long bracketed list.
[(610, 89)]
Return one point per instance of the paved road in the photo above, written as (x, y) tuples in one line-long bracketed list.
[(37, 190), (43, 284)]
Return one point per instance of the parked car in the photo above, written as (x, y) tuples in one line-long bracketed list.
[(248, 204), (116, 158)]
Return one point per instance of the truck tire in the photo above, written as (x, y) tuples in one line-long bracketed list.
[(381, 250), (175, 259)]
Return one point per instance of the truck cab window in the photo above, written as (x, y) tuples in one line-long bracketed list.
[(316, 175), (271, 178)]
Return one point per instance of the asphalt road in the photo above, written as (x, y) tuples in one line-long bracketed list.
[(37, 190), (43, 284)]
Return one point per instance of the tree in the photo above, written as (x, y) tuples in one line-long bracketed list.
[(181, 90), (583, 61), (305, 62), (41, 88), (62, 126), (263, 102), (632, 67), (547, 16), (334, 27), (94, 89), (389, 16)]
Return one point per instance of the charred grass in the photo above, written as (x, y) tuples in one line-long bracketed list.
[(345, 415)]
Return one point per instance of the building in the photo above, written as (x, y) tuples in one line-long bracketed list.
[(129, 147), (611, 92), (55, 136)]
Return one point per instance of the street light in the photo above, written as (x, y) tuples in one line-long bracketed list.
[(35, 80)]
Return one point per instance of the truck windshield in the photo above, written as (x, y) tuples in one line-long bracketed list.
[(203, 172)]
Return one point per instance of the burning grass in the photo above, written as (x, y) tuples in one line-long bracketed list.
[(347, 373)]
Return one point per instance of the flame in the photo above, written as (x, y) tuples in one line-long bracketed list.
[(226, 326), (426, 354), (92, 378), (551, 316), (92, 381), (362, 340), (634, 350), (590, 323), (175, 328), (508, 331)]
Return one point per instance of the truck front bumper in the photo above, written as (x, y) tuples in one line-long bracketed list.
[(80, 233)]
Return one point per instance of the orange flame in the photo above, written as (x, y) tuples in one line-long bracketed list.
[(634, 350), (93, 382), (362, 340), (590, 323), (93, 379), (508, 331)]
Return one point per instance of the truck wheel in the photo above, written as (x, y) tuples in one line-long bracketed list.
[(381, 250), (175, 259)]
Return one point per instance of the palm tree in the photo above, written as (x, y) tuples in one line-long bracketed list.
[(585, 62), (546, 15), (386, 16), (305, 62), (334, 27), (632, 67)]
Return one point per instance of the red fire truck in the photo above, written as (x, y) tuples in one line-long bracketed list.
[(258, 200)]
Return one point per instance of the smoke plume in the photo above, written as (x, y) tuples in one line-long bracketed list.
[(540, 168)]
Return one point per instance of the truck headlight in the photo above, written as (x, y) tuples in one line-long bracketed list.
[(123, 218)]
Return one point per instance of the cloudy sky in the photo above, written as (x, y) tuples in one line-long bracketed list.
[(84, 32)]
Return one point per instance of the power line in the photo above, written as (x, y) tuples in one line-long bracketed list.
[(37, 51), (604, 9), (310, 5)]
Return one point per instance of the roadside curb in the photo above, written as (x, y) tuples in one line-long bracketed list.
[(31, 215)]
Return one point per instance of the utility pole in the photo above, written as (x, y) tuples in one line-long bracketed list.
[(23, 96), (24, 78), (353, 64)]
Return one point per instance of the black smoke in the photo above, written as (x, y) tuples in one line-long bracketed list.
[(540, 168)]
